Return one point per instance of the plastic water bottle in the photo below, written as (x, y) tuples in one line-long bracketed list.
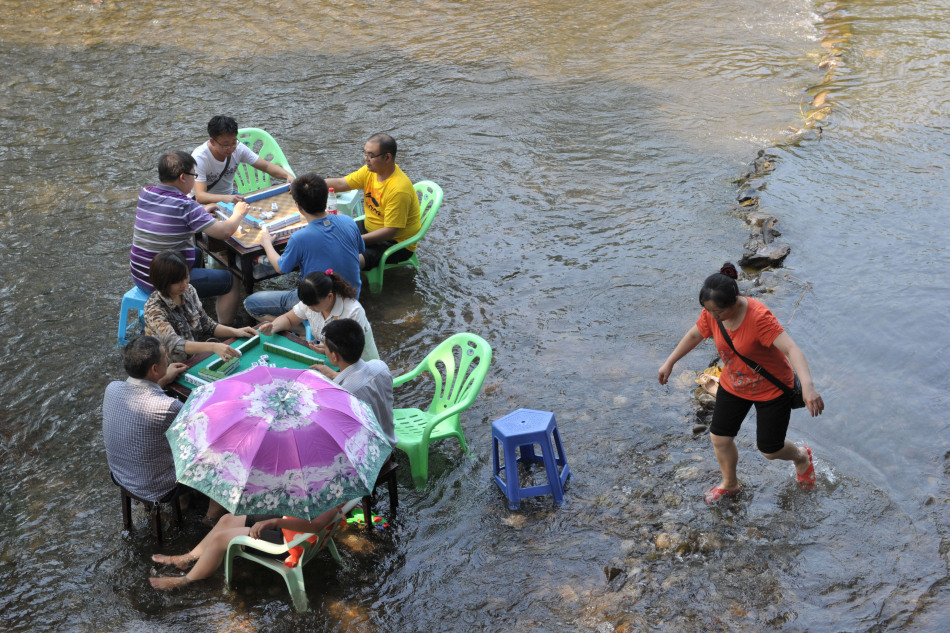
[(331, 203)]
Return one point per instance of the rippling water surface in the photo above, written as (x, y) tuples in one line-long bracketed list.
[(588, 153)]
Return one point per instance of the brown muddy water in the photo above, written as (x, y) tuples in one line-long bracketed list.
[(588, 153)]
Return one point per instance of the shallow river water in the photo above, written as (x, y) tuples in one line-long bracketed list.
[(589, 153)]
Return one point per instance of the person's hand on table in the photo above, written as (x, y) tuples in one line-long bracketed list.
[(245, 332), (211, 206), (266, 237), (235, 199), (317, 347), (224, 351), (260, 526), (174, 371), (266, 328), (240, 208), (325, 370)]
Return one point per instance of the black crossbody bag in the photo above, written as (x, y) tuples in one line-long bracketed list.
[(221, 175), (795, 392)]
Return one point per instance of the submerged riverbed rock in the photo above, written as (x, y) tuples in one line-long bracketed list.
[(762, 250)]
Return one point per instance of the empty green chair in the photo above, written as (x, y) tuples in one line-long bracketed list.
[(293, 576), (430, 199), (248, 179), (458, 367)]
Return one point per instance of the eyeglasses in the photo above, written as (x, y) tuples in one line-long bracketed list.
[(369, 156), (225, 145), (188, 173)]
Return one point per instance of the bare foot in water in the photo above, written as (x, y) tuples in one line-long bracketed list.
[(182, 561), (167, 583)]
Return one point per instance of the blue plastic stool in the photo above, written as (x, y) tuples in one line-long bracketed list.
[(521, 430), (134, 299)]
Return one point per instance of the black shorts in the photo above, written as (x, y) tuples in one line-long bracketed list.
[(271, 536), (374, 252), (771, 419)]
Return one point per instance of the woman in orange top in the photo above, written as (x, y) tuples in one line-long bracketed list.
[(758, 336)]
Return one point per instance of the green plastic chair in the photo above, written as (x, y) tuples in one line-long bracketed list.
[(458, 367), (430, 199), (263, 144), (293, 576)]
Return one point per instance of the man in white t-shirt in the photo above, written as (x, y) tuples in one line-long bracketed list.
[(218, 159)]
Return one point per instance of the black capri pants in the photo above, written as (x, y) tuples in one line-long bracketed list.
[(771, 419)]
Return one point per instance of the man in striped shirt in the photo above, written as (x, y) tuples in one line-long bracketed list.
[(167, 219)]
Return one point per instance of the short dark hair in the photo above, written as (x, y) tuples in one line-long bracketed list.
[(387, 144), (721, 288), (315, 287), (346, 338), (310, 193), (221, 124), (140, 354), (167, 268), (174, 164)]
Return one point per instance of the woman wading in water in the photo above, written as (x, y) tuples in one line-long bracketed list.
[(757, 335)]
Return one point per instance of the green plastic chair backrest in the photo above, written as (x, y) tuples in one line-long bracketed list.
[(263, 144), (458, 366), (430, 199)]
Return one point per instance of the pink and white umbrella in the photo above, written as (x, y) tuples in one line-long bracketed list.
[(277, 441)]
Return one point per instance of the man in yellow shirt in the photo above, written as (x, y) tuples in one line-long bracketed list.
[(389, 200)]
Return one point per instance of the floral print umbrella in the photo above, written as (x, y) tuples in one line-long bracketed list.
[(277, 441)]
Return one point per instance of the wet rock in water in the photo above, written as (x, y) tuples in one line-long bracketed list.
[(708, 542), (663, 541), (567, 593), (764, 162), (688, 473), (699, 428), (769, 255), (762, 250), (629, 546), (757, 218), (613, 571), (706, 400), (516, 521), (748, 197), (769, 280)]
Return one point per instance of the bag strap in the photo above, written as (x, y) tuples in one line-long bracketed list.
[(757, 368), (221, 175)]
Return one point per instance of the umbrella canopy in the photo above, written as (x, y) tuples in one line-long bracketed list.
[(277, 441)]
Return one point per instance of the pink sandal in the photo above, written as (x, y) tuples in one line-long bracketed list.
[(807, 479), (715, 494)]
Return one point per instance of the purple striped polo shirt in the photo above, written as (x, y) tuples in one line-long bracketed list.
[(165, 219)]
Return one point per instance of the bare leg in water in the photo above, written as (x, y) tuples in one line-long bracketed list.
[(206, 556)]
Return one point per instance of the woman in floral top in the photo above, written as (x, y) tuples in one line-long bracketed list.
[(174, 313)]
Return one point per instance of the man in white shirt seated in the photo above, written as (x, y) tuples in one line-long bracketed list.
[(370, 381), (218, 159)]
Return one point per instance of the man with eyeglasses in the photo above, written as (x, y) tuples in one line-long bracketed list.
[(167, 219), (389, 200), (218, 159)]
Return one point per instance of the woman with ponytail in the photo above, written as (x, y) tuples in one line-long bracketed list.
[(325, 297), (757, 335)]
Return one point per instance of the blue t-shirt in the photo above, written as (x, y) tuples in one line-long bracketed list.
[(332, 242)]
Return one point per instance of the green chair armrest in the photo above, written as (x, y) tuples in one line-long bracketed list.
[(267, 546)]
